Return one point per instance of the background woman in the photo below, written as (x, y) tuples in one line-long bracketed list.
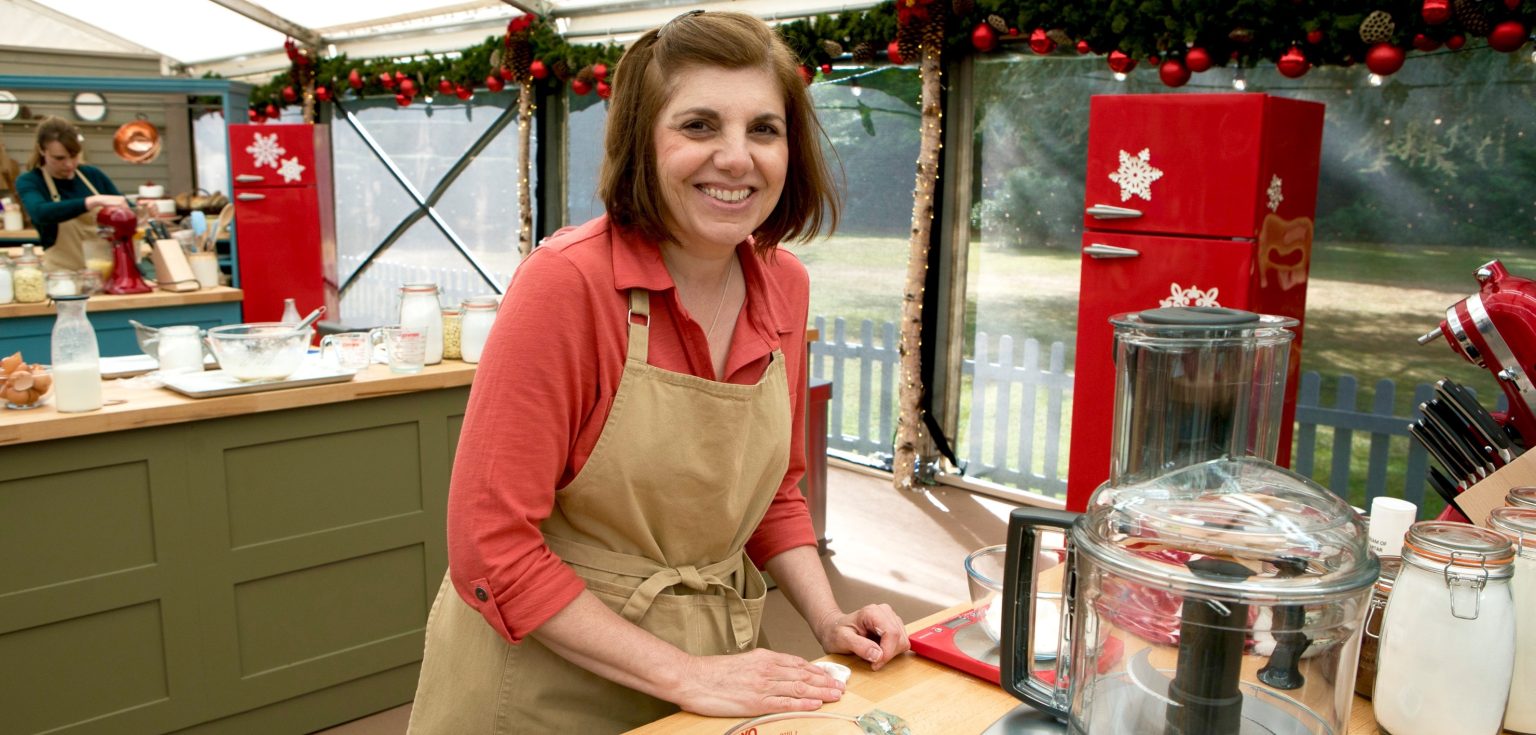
[(61, 195), (634, 436)]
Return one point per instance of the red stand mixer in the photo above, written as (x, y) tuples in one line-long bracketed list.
[(1495, 329), (119, 224)]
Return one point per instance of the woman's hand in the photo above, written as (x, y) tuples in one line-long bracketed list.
[(757, 682), (874, 633), (105, 200)]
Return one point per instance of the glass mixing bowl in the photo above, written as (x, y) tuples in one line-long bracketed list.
[(259, 350), (984, 574)]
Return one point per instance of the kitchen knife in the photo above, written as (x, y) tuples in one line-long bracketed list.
[(1445, 421), (1460, 399), (1442, 454), (1444, 488)]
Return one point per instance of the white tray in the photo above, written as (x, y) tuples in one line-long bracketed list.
[(125, 366), (214, 383)]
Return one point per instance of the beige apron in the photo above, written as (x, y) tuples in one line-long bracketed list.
[(67, 253), (655, 523)]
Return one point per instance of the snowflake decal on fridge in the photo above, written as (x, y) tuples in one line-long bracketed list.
[(291, 170), (1191, 296), (265, 151), (1275, 197), (1136, 175)]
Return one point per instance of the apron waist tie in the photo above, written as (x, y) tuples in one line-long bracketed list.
[(658, 578)]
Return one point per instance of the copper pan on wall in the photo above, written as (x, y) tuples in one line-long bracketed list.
[(137, 141)]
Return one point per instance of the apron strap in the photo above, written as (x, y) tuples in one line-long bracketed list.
[(639, 332), (53, 191), (657, 579)]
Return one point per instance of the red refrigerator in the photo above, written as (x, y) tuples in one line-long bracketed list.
[(1192, 200), (284, 220)]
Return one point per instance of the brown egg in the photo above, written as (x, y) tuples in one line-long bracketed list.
[(41, 382), (18, 397)]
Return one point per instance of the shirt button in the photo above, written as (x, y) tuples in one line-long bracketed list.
[(481, 595)]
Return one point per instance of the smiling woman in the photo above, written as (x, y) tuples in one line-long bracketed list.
[(597, 585)]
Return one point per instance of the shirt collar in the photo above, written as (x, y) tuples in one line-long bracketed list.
[(637, 263)]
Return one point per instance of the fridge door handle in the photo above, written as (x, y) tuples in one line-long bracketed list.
[(249, 197), (1109, 251), (1105, 211), (249, 178)]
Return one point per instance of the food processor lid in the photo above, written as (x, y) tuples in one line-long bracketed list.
[(1298, 542), (1200, 321)]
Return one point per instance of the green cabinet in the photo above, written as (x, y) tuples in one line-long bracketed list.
[(267, 573)]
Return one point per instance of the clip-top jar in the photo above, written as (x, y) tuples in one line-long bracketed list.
[(1521, 497), (453, 322), (1365, 672), (1447, 648), (419, 308), (7, 288), (1519, 526), (479, 315), (27, 278)]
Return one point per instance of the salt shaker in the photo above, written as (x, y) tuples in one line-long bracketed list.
[(1447, 649), (1519, 526)]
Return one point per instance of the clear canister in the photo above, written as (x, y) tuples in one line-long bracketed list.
[(1521, 497), (419, 308), (479, 315), (453, 321), (62, 283), (1519, 526), (1447, 648), (7, 285), (1365, 672), (27, 278)]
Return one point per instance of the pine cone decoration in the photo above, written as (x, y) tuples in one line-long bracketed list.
[(1377, 27), (933, 33), (997, 23), (520, 58), (962, 8), (587, 75), (833, 48), (1472, 16), (1059, 37), (561, 70), (909, 38), (863, 52)]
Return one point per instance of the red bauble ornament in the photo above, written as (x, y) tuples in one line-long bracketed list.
[(1293, 63), (1041, 43), (1083, 47), (505, 73), (494, 83), (1314, 37), (403, 100), (408, 87), (1425, 43), (462, 93), (355, 79), (323, 93), (1173, 73), (1436, 12), (983, 37), (604, 90), (1512, 4), (537, 70), (1384, 59), (289, 95), (600, 71), (1198, 59), (826, 68), (272, 111), (444, 86), (1508, 36), (1120, 62), (1455, 42), (254, 114), (581, 86), (805, 74), (387, 80), (893, 52)]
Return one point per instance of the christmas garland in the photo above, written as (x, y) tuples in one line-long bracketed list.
[(1178, 37)]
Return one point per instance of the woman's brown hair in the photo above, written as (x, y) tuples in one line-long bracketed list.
[(628, 184), (51, 130)]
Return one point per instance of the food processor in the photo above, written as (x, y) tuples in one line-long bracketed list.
[(1208, 591)]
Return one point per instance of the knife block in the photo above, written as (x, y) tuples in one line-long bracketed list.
[(172, 270), (1480, 499)]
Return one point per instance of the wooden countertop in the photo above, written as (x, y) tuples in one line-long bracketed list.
[(152, 300), (136, 408), (931, 697), (19, 235)]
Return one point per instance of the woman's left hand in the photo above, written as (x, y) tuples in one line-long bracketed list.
[(874, 633)]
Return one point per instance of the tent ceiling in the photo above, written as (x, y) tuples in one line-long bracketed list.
[(244, 38)]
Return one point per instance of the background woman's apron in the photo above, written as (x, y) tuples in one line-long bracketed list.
[(67, 253), (655, 523)]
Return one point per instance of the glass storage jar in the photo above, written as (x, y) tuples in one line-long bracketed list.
[(76, 358), (1519, 526), (62, 283), (419, 308), (7, 287), (1521, 497), (452, 321), (1365, 672), (1447, 648), (479, 315), (27, 278)]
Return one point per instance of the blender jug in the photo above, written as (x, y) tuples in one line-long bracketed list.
[(1207, 590)]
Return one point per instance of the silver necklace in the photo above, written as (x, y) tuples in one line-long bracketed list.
[(729, 269)]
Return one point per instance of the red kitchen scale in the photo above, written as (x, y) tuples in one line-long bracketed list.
[(962, 643)]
